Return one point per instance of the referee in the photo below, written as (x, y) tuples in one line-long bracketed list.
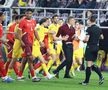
[(93, 35)]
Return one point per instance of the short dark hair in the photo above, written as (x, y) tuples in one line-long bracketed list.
[(1, 13), (43, 20), (80, 22), (17, 17), (54, 16), (70, 17), (92, 18), (29, 10)]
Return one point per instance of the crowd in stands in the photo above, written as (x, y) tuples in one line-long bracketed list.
[(91, 4)]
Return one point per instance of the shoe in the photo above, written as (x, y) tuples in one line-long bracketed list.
[(67, 76), (101, 81), (57, 75), (54, 72), (21, 78), (8, 80), (83, 83), (36, 79), (50, 76)]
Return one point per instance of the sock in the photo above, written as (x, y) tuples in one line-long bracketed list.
[(97, 70), (9, 72), (32, 72), (75, 66), (72, 68), (20, 73), (2, 68), (58, 62), (50, 63), (100, 57), (15, 69), (7, 65), (45, 68), (88, 74), (37, 65)]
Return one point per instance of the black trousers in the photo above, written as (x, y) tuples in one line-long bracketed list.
[(68, 52)]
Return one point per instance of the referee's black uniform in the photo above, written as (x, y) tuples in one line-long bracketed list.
[(94, 33), (92, 48)]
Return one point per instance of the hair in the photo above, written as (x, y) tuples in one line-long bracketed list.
[(43, 20), (17, 17), (29, 10), (1, 13), (54, 16), (70, 17), (92, 18), (80, 22)]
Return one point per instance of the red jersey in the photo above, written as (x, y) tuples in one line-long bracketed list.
[(28, 27), (1, 33), (10, 37)]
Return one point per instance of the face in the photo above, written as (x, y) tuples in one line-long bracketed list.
[(77, 26), (2, 18), (60, 22), (46, 23), (55, 20), (29, 14), (72, 21), (88, 22)]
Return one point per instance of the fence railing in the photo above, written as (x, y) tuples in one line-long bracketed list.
[(40, 12)]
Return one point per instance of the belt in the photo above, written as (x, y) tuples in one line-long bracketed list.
[(68, 42)]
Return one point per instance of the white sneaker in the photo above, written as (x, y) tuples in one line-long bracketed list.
[(50, 76), (20, 78), (78, 69)]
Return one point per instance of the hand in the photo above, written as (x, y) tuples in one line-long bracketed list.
[(65, 38)]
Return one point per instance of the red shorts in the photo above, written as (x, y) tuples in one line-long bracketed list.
[(10, 49), (28, 46)]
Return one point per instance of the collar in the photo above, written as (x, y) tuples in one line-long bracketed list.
[(69, 25)]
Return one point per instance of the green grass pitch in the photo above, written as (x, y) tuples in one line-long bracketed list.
[(57, 84)]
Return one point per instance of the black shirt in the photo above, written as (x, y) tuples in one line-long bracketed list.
[(94, 32)]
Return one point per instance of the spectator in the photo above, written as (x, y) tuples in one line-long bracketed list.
[(91, 4), (32, 3), (22, 3), (2, 2)]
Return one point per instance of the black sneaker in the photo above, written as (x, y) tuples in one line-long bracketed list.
[(101, 81), (68, 76), (84, 83), (57, 75)]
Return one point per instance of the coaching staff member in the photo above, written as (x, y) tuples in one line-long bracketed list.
[(66, 31), (92, 39)]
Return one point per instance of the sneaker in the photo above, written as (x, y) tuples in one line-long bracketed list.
[(36, 79), (50, 76), (8, 79), (21, 78), (83, 83), (101, 81)]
